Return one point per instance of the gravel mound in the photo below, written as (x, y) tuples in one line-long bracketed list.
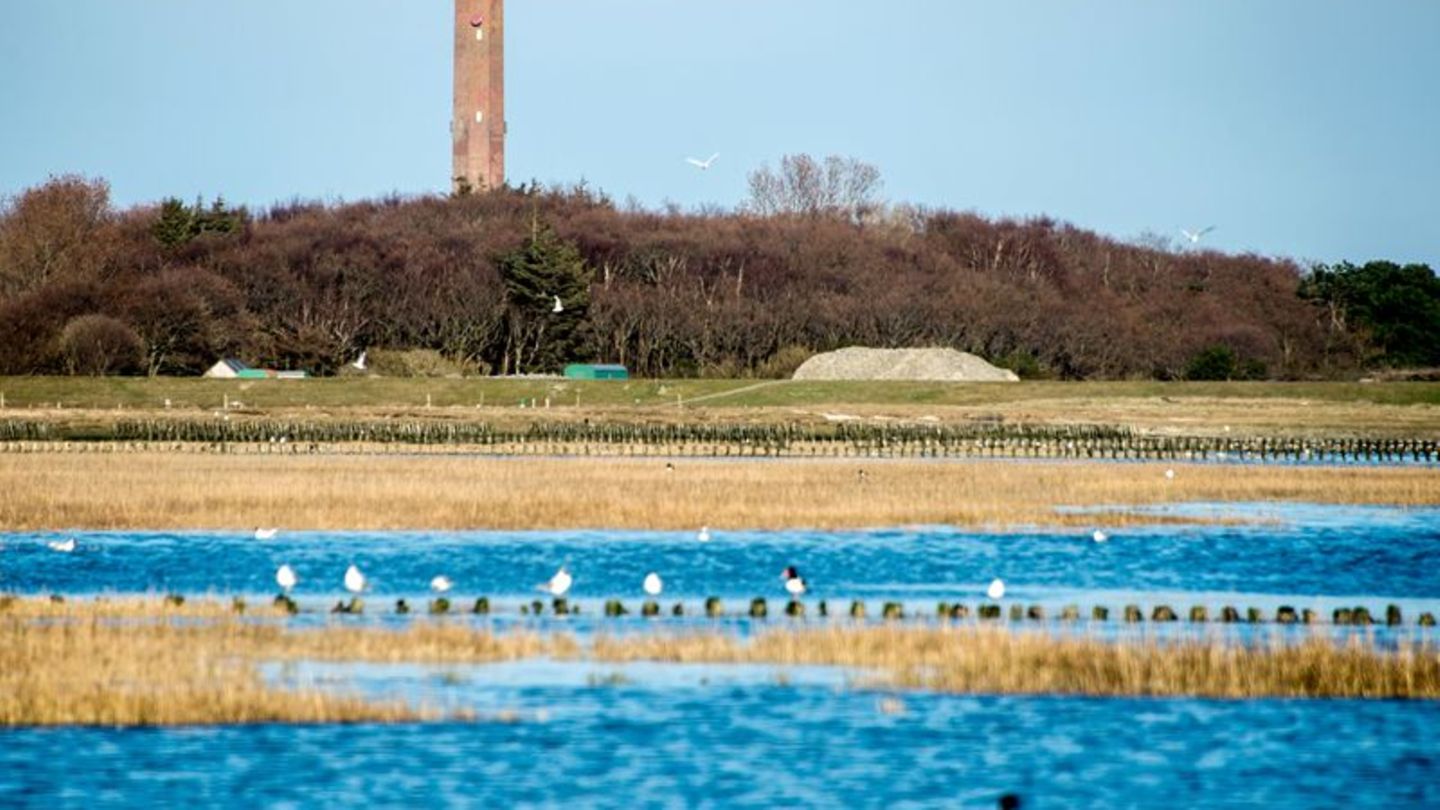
[(931, 365)]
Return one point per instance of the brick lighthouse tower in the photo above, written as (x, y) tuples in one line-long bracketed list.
[(479, 124)]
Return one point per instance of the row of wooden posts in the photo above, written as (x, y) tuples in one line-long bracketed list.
[(788, 440), (759, 608)]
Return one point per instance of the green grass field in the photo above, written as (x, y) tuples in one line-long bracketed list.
[(353, 392), (1378, 410)]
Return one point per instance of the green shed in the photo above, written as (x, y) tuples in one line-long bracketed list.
[(596, 371)]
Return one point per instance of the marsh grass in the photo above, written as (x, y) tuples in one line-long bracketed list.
[(94, 664), (66, 665), (983, 660), (164, 490)]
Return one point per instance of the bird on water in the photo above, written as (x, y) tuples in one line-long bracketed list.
[(354, 580), (996, 589), (285, 578), (653, 585), (558, 585), (441, 584), (265, 534), (63, 546), (794, 583)]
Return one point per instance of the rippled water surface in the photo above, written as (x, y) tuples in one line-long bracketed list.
[(651, 735)]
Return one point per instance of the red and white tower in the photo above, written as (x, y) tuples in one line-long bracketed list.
[(479, 125)]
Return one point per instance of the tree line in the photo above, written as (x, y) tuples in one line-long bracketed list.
[(524, 280)]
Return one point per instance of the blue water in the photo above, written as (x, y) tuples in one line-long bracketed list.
[(665, 736), (1317, 554), (762, 746)]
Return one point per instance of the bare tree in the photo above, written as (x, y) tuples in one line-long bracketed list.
[(803, 186)]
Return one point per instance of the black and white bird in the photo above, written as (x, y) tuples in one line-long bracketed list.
[(653, 585), (558, 585), (794, 583), (703, 165), (285, 578)]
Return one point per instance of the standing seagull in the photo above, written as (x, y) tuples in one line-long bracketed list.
[(794, 583), (1196, 236), (63, 546), (559, 585), (441, 584), (285, 578), (559, 306), (703, 165), (354, 580), (653, 584)]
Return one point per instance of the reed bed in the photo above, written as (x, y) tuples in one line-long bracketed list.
[(167, 490), (982, 660), (75, 664)]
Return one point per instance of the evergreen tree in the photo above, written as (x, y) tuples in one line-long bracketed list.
[(176, 225), (538, 338)]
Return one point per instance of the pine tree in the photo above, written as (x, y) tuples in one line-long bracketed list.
[(539, 339)]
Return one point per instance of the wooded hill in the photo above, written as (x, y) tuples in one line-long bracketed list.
[(168, 289)]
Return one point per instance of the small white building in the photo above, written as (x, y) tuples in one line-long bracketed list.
[(227, 369)]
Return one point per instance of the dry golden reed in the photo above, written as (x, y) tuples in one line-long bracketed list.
[(88, 663), (160, 490), (998, 661)]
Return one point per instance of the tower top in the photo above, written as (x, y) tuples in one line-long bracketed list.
[(478, 125)]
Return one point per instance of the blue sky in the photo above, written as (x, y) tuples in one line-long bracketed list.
[(1303, 128)]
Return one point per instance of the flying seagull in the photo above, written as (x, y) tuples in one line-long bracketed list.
[(1196, 236), (559, 307), (703, 165), (359, 364)]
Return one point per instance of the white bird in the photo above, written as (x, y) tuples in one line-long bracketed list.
[(354, 580), (359, 364), (794, 583), (1196, 236), (559, 306), (996, 589), (285, 578), (653, 585), (266, 534), (559, 585), (441, 584), (703, 165), (1099, 536), (704, 534), (63, 546), (1169, 475)]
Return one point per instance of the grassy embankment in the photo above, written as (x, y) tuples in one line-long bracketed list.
[(77, 665), (161, 490), (1406, 410)]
